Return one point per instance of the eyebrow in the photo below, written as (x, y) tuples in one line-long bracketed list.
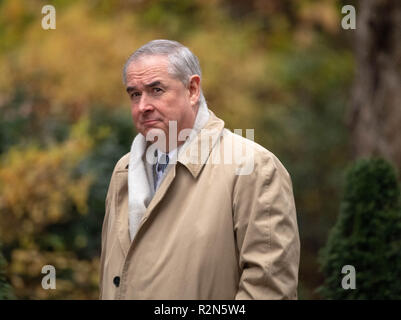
[(152, 84), (149, 85)]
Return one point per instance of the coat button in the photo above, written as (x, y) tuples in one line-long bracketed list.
[(116, 281)]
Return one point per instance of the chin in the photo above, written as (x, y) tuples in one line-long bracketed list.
[(154, 133)]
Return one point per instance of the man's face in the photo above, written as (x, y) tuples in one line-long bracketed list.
[(157, 97)]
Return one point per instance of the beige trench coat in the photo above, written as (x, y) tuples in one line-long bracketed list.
[(208, 233)]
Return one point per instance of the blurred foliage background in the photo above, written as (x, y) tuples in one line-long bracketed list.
[(284, 68)]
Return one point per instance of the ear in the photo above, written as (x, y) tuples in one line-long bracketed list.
[(194, 89)]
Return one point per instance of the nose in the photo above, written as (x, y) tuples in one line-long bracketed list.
[(144, 104)]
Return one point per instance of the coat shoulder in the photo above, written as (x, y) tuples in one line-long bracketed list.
[(122, 163), (259, 155)]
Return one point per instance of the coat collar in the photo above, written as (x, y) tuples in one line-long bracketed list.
[(195, 155)]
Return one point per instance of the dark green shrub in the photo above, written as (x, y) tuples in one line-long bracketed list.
[(367, 235), (5, 289)]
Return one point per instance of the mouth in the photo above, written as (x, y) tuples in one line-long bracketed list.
[(150, 122)]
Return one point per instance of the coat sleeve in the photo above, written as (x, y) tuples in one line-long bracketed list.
[(105, 228), (266, 231), (103, 245)]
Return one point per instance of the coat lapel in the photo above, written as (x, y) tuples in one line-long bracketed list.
[(159, 195)]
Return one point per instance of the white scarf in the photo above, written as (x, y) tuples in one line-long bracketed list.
[(140, 187)]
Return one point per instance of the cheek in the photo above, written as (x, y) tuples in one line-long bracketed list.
[(177, 105)]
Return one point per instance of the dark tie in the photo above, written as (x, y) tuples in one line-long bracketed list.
[(161, 166)]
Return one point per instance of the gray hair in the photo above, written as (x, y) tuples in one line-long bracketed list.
[(182, 62)]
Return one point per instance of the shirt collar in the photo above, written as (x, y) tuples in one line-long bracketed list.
[(170, 154)]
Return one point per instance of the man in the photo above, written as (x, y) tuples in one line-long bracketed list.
[(181, 221)]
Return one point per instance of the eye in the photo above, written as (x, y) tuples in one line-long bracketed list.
[(135, 94), (157, 90)]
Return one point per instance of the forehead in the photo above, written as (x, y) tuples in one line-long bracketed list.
[(147, 68)]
